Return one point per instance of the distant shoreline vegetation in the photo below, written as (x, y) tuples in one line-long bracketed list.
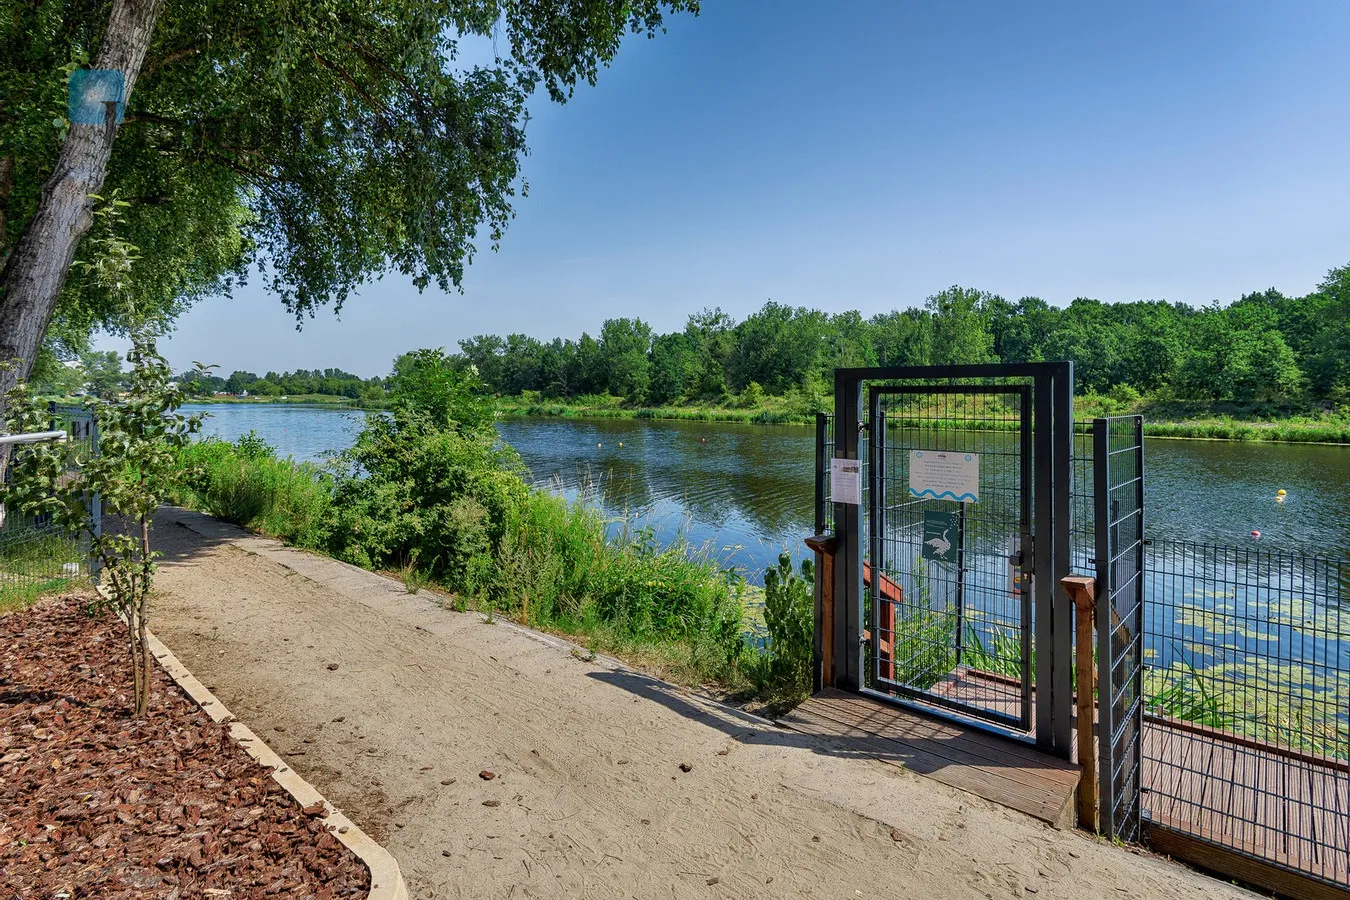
[(299, 400), (1216, 422), (1267, 367)]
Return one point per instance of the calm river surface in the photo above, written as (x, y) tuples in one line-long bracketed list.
[(745, 491)]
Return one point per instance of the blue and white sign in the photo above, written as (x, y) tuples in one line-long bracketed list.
[(944, 475)]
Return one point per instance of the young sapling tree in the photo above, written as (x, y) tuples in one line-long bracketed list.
[(139, 439)]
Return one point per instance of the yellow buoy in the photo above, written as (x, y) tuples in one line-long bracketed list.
[(620, 443)]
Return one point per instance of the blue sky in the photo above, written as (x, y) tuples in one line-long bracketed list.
[(865, 155)]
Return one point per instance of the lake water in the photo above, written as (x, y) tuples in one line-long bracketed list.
[(746, 490)]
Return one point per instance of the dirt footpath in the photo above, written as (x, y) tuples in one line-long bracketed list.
[(393, 707)]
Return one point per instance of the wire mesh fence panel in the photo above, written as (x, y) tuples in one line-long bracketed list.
[(949, 613), (824, 518), (1242, 692), (36, 556), (1082, 527), (81, 431), (1118, 558), (1247, 692)]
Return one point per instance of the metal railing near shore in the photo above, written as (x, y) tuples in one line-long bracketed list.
[(1236, 671), (1247, 703), (1223, 679)]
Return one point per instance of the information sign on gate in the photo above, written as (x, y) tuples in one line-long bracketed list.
[(846, 481), (944, 475), (941, 531)]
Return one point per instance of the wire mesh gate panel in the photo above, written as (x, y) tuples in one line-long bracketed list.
[(1118, 479), (882, 648), (950, 618)]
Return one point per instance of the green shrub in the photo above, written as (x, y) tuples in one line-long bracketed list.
[(752, 397), (789, 615), (253, 446), (411, 492)]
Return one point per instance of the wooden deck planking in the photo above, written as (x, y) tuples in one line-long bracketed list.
[(956, 775), (1293, 812), (1288, 811), (997, 769)]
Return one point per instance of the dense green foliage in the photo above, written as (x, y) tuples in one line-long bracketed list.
[(430, 492), (327, 142), (301, 382), (1264, 349)]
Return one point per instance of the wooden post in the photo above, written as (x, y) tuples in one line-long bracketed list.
[(823, 546), (1083, 591)]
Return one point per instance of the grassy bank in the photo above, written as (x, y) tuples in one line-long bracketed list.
[(498, 546), (1222, 422)]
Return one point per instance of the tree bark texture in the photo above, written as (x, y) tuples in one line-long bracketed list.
[(34, 274)]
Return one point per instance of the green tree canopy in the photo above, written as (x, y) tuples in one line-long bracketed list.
[(327, 142)]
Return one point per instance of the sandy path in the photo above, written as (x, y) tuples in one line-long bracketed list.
[(590, 798)]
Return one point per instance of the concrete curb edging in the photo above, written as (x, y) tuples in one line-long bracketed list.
[(386, 880)]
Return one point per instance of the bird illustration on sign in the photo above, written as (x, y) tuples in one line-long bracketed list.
[(940, 545), (938, 530)]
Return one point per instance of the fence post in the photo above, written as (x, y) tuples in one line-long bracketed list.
[(1083, 590), (823, 547)]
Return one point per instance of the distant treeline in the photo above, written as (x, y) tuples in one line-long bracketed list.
[(328, 382), (1264, 348)]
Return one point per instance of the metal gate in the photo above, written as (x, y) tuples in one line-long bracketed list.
[(950, 614), (949, 600)]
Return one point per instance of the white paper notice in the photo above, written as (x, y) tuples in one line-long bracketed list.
[(944, 475), (846, 481)]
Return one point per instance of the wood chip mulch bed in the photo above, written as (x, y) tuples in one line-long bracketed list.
[(96, 804)]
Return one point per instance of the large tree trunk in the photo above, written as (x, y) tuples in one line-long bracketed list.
[(36, 271)]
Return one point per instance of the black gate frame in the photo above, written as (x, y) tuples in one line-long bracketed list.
[(1052, 473)]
